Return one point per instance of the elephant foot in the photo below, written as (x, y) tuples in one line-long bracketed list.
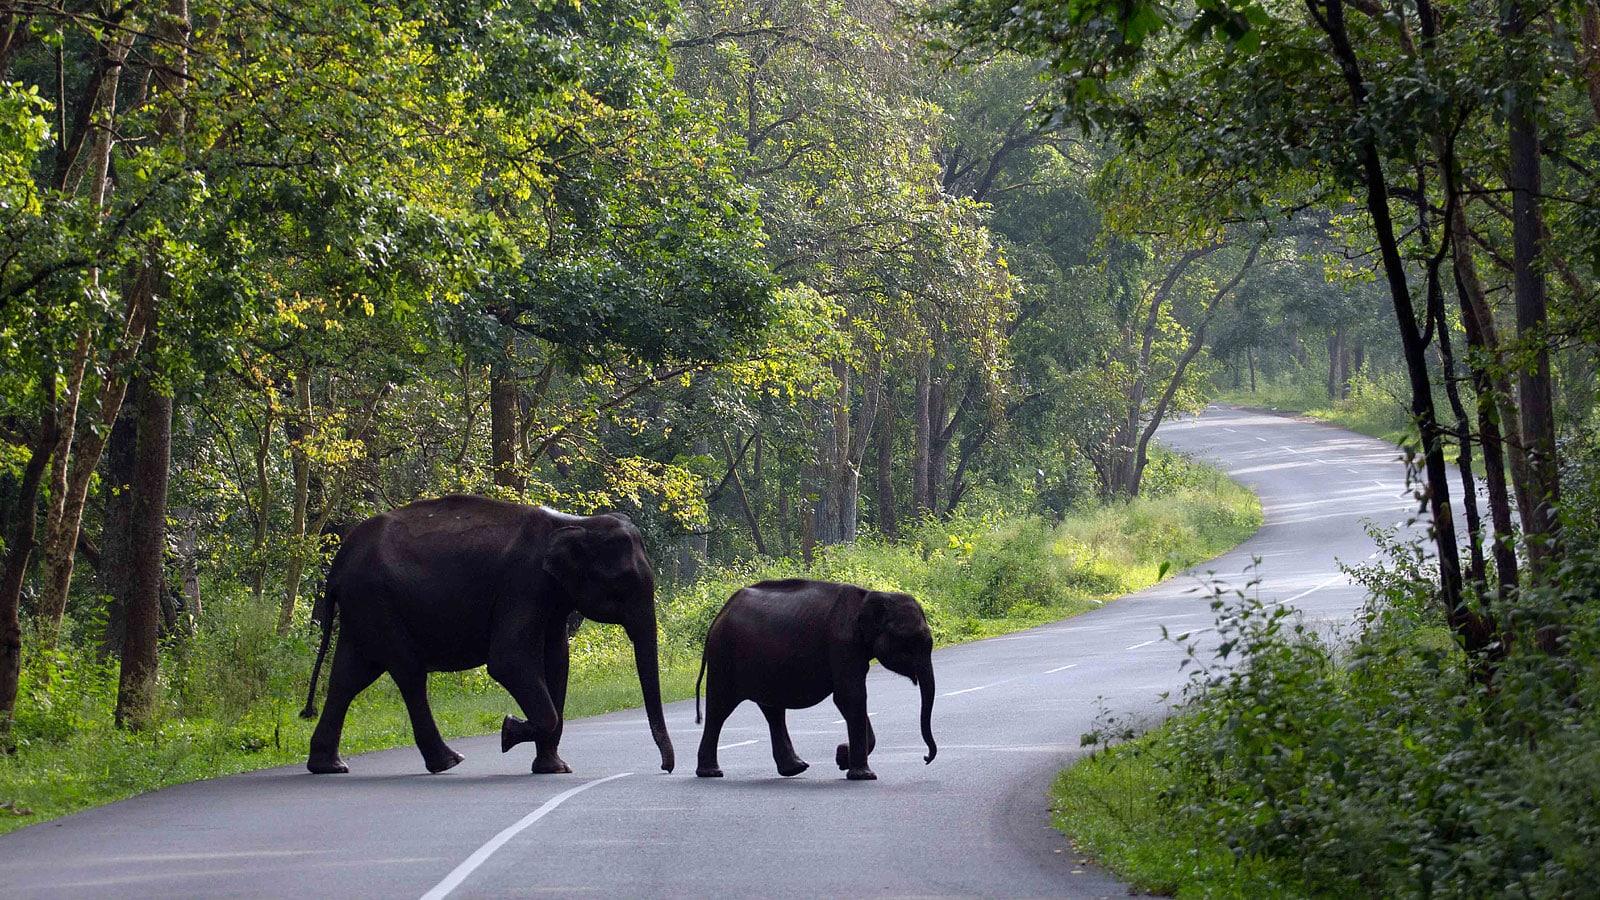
[(861, 774), (443, 762), (793, 767), (551, 765), (841, 756), (326, 765), (514, 731), (708, 772)]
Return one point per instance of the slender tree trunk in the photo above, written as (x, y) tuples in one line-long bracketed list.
[(1535, 392), (1490, 438), (19, 548), (298, 429), (136, 687), (61, 546), (1501, 395), (263, 504), (1141, 456), (1589, 54), (1471, 628), (744, 498), (1335, 359), (921, 499), (1250, 355), (888, 520), (785, 533)]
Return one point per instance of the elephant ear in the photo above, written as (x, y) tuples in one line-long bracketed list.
[(568, 553), (869, 621), (581, 552)]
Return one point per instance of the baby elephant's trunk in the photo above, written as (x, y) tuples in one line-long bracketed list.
[(925, 680)]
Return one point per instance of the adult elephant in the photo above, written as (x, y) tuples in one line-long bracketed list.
[(463, 581)]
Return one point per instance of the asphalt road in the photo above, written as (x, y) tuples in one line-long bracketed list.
[(975, 822)]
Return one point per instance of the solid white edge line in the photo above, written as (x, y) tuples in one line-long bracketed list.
[(482, 854)]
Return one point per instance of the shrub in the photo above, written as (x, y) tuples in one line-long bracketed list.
[(1382, 767)]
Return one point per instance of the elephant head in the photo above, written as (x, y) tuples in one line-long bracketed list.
[(894, 626), (601, 563)]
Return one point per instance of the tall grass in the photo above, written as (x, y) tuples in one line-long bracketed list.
[(231, 693)]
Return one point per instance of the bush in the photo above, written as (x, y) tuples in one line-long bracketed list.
[(1384, 767)]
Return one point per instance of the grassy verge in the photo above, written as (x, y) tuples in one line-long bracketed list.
[(232, 694), (1114, 809)]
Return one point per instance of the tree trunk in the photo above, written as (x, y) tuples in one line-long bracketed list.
[(744, 498), (1490, 439), (61, 545), (921, 499), (298, 429), (503, 401), (114, 573), (1589, 54), (19, 548), (1197, 341), (136, 685), (1534, 388), (888, 522), (1474, 633)]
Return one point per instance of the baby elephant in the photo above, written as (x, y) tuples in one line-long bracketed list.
[(789, 644)]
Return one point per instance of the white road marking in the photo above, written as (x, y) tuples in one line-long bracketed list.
[(978, 688), (837, 722), (1142, 644), (1308, 591), (1263, 440), (482, 854), (1062, 668), (731, 746)]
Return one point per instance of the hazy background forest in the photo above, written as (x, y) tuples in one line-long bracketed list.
[(898, 295)]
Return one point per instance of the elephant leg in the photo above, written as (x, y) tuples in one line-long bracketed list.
[(783, 753), (436, 755), (719, 705), (523, 678), (852, 705), (841, 753), (350, 674), (556, 662)]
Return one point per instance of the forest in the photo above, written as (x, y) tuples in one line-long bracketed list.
[(881, 291)]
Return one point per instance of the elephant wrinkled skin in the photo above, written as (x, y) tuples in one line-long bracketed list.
[(789, 644), (464, 581)]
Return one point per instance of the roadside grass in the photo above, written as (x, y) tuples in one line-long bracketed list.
[(232, 695), (1113, 808), (1376, 407)]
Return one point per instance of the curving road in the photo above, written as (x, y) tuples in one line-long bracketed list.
[(1010, 713)]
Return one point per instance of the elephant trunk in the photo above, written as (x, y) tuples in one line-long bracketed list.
[(644, 657), (925, 681)]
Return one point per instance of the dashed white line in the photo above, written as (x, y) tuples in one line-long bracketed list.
[(1309, 591), (1062, 668), (731, 746), (971, 689), (1142, 644), (482, 854)]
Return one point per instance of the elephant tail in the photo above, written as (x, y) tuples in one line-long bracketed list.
[(327, 609), (697, 680)]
